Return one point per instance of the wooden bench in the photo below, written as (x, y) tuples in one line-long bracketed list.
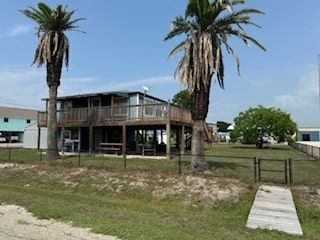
[(114, 147)]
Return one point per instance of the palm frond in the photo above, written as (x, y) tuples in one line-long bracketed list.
[(179, 48), (53, 44), (207, 26)]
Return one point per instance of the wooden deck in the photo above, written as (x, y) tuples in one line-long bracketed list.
[(115, 115)]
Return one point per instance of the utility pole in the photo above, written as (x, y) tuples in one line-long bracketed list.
[(319, 79)]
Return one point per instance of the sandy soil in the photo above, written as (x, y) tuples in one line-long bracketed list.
[(16, 223)]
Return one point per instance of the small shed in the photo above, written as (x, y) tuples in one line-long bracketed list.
[(311, 134), (31, 137)]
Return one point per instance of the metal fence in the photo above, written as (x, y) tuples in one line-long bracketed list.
[(247, 169), (309, 149)]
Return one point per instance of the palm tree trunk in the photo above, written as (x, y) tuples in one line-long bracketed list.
[(53, 82), (52, 151), (198, 161), (199, 110)]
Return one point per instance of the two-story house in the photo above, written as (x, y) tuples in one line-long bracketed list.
[(120, 122), (13, 122)]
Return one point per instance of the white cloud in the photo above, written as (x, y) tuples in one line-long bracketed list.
[(305, 93), (22, 29), (22, 87), (70, 86), (285, 100), (302, 102), (138, 83)]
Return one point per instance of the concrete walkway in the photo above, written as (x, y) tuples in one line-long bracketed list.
[(274, 209)]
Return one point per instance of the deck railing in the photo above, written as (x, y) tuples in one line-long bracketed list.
[(96, 115)]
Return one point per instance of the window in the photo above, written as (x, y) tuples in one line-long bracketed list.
[(68, 105), (28, 121), (67, 134), (305, 137), (148, 108), (95, 102), (5, 119), (120, 106)]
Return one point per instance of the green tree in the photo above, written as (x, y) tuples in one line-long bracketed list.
[(207, 26), (222, 126), (256, 125), (52, 51), (182, 99)]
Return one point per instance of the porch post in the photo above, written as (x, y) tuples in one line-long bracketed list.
[(178, 138), (62, 139), (183, 141), (124, 139), (168, 146)]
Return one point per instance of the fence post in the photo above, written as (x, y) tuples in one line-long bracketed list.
[(125, 160), (9, 153), (179, 163), (286, 171), (290, 171), (40, 155), (79, 156), (255, 169), (259, 169)]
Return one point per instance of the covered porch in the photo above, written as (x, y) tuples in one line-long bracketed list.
[(127, 139)]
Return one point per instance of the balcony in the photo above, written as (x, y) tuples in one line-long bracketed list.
[(111, 114)]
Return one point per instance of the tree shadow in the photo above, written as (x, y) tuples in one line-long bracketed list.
[(270, 147), (222, 165)]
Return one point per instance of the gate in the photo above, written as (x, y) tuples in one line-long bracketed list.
[(272, 170)]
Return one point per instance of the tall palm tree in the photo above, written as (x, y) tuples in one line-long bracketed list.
[(207, 25), (52, 50)]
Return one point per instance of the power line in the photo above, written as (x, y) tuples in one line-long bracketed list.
[(20, 105)]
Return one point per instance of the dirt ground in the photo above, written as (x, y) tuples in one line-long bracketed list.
[(16, 223)]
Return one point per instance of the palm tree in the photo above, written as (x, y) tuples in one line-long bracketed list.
[(52, 50), (207, 25)]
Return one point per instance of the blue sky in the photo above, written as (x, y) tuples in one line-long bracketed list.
[(123, 49)]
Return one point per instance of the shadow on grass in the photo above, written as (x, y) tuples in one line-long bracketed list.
[(270, 147), (223, 165)]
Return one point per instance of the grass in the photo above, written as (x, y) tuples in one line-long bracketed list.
[(109, 199)]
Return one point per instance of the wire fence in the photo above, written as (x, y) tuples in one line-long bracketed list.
[(310, 150), (248, 169)]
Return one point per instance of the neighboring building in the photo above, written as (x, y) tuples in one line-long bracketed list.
[(131, 122), (35, 137), (308, 134), (13, 122)]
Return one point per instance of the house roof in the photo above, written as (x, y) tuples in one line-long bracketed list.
[(18, 113), (123, 93), (308, 129)]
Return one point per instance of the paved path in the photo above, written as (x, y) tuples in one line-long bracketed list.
[(274, 209)]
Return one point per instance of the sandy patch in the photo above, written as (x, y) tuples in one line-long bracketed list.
[(17, 223)]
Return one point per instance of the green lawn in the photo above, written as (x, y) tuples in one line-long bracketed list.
[(103, 195)]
